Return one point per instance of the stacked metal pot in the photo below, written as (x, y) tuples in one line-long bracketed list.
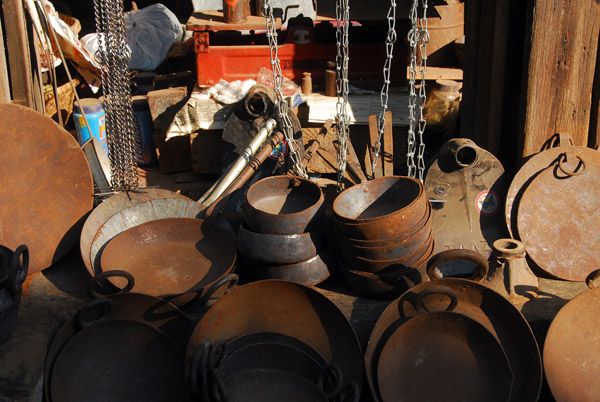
[(281, 235), (383, 228)]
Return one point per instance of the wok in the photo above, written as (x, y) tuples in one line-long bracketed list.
[(287, 308), (443, 356), (171, 256), (474, 301)]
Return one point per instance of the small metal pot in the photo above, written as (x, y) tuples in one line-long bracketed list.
[(283, 205)]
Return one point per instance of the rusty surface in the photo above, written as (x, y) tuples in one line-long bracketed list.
[(278, 249), (469, 184), (287, 308), (47, 187), (118, 360), (316, 144), (531, 169), (283, 205), (477, 302), (558, 219), (309, 272), (113, 207), (398, 248), (159, 313), (443, 356), (379, 266), (171, 256), (571, 350)]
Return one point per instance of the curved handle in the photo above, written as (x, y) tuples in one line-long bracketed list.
[(81, 322), (570, 156), (231, 279), (110, 274), (562, 140), (436, 290), (216, 356), (334, 373), (351, 391), (198, 369), (17, 269), (3, 268), (592, 278), (458, 254)]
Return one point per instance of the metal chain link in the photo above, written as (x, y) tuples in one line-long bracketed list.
[(282, 105), (387, 67), (418, 37), (342, 15), (114, 56)]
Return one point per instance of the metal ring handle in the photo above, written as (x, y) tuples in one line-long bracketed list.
[(458, 254), (17, 269), (592, 278), (81, 322), (563, 158), (351, 390), (510, 247), (110, 274), (198, 366), (232, 279), (335, 375), (216, 356), (436, 290)]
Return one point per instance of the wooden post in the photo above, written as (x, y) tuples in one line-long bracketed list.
[(18, 52), (594, 136), (559, 72), (4, 83)]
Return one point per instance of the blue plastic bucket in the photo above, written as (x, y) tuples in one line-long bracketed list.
[(94, 112)]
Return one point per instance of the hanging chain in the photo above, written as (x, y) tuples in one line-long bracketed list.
[(114, 56), (342, 15), (282, 105), (387, 67), (418, 38)]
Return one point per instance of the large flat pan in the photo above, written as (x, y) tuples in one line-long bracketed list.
[(47, 187), (290, 309), (474, 301)]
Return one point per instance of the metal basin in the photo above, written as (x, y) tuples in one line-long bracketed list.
[(283, 205), (278, 249)]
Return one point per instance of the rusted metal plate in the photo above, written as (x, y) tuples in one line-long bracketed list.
[(530, 170), (171, 256), (47, 187), (572, 350), (466, 185), (443, 356), (558, 220)]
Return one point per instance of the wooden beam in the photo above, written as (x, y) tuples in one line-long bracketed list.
[(559, 73), (4, 83), (440, 73)]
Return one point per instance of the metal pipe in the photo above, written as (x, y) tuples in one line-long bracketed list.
[(240, 163)]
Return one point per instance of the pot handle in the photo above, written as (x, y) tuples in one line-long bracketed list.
[(3, 267), (334, 373), (107, 307), (433, 290), (198, 370), (593, 278), (458, 254), (109, 274), (17, 269), (231, 280), (350, 393), (216, 356)]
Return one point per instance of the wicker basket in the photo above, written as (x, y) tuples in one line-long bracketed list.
[(66, 97), (72, 22)]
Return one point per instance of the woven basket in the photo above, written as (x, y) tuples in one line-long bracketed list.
[(72, 22)]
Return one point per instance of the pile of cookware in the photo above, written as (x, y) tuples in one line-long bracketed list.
[(383, 229), (13, 271), (274, 340), (122, 347), (453, 339), (281, 235)]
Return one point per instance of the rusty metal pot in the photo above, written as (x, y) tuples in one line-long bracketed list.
[(374, 266), (399, 199), (395, 249), (477, 302), (443, 356), (287, 308), (283, 205), (171, 257), (15, 266), (278, 249), (151, 310), (571, 354)]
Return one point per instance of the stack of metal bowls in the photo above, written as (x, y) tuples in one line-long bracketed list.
[(281, 236), (383, 228)]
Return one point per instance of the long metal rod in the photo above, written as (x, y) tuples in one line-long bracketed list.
[(240, 163)]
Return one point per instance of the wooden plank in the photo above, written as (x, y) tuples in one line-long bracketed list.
[(440, 73), (387, 149), (560, 71), (213, 20), (17, 44), (353, 163), (594, 135), (373, 137), (331, 161), (4, 83)]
